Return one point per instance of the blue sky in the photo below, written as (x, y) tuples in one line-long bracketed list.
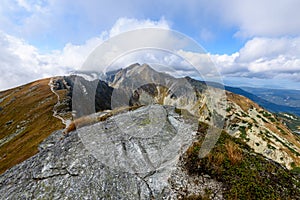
[(253, 43)]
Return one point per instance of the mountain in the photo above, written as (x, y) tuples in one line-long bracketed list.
[(264, 102), (151, 167), (284, 97), (244, 119), (30, 113), (26, 120), (143, 134), (291, 121)]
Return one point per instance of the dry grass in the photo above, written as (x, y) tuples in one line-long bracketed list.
[(32, 103), (290, 137), (234, 152), (92, 119), (163, 92), (242, 101), (216, 160)]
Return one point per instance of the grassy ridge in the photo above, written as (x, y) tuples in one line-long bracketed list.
[(27, 113)]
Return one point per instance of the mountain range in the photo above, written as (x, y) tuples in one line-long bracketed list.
[(140, 134)]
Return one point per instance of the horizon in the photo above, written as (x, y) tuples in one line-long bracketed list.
[(80, 73), (48, 38)]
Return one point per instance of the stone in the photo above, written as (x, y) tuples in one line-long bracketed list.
[(66, 168)]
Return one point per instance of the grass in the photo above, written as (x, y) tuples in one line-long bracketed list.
[(228, 109), (244, 174), (281, 130), (243, 134), (30, 111), (234, 153), (91, 119)]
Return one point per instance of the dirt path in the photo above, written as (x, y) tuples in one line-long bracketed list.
[(55, 113)]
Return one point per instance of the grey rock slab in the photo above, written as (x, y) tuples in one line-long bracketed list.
[(138, 159)]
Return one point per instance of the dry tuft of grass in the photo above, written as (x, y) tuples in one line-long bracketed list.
[(92, 119), (234, 153)]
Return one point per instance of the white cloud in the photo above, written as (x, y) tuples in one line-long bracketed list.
[(263, 57), (261, 18), (260, 58), (126, 24), (21, 62), (75, 20)]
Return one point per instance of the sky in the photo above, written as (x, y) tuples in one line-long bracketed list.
[(252, 42)]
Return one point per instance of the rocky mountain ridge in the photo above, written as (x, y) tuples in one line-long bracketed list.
[(66, 169), (162, 165), (260, 129)]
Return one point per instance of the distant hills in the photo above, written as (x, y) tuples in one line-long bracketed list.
[(263, 99), (274, 100), (284, 97)]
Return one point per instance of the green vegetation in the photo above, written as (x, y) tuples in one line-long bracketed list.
[(267, 115), (254, 120), (295, 170), (244, 174), (228, 109), (243, 134), (287, 146), (268, 134), (250, 125), (244, 114), (272, 119)]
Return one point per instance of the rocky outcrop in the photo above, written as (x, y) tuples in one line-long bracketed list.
[(238, 115), (133, 155)]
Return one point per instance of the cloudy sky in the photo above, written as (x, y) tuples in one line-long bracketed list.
[(252, 42)]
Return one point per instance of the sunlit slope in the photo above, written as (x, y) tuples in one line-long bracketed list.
[(26, 119)]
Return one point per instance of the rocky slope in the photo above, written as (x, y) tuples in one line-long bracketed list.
[(144, 161), (262, 131), (239, 116), (132, 150), (65, 169)]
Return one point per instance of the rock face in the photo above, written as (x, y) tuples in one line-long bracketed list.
[(141, 162), (236, 114)]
